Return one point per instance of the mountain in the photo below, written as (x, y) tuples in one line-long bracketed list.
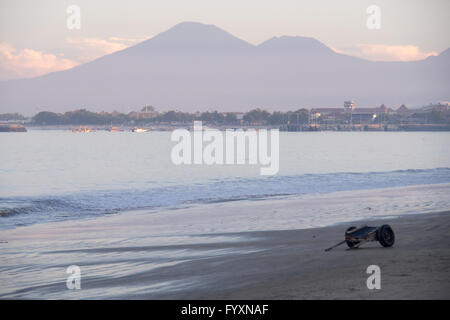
[(194, 66)]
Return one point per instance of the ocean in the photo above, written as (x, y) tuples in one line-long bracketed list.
[(56, 175), (138, 226)]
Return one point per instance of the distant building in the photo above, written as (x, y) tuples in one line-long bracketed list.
[(349, 114), (349, 105), (147, 112), (368, 115), (143, 115), (403, 110), (239, 115), (424, 115), (441, 106), (328, 115)]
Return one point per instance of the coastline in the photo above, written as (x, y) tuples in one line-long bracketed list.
[(234, 250), (282, 127)]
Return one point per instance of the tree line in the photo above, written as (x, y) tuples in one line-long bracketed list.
[(85, 117), (256, 116)]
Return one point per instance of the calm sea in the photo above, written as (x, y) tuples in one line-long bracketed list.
[(59, 175)]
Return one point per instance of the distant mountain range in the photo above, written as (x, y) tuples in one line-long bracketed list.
[(194, 66)]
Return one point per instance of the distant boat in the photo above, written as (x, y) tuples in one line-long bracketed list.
[(12, 128), (115, 129), (82, 129), (139, 130)]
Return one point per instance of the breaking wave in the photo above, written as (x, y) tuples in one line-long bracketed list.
[(18, 211)]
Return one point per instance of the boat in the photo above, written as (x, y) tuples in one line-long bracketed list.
[(82, 129), (140, 130), (12, 128), (115, 129)]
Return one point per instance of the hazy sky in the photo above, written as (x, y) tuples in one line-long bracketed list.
[(34, 38)]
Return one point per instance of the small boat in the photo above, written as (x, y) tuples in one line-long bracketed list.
[(12, 128), (115, 129), (82, 129), (140, 130)]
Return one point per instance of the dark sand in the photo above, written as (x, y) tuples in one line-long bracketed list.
[(288, 264), (294, 265)]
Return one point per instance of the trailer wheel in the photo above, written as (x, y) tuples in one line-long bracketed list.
[(385, 235), (350, 244)]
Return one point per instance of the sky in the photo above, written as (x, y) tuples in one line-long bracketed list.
[(35, 39)]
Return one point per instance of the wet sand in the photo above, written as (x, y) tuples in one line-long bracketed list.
[(290, 264), (266, 249), (294, 265)]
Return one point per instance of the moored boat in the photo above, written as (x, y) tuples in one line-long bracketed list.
[(12, 128), (115, 129), (140, 130), (82, 129)]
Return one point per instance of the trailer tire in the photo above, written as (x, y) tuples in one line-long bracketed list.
[(386, 236), (351, 244)]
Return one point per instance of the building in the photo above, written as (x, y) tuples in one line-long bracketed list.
[(328, 115), (429, 113), (349, 105), (370, 115), (441, 106), (143, 115), (147, 112), (349, 114), (403, 110)]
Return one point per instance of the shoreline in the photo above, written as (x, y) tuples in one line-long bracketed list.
[(142, 255), (283, 264), (376, 202), (154, 127)]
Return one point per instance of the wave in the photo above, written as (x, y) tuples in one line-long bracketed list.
[(28, 210)]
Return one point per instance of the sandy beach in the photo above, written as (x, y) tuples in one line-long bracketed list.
[(295, 266), (276, 251)]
